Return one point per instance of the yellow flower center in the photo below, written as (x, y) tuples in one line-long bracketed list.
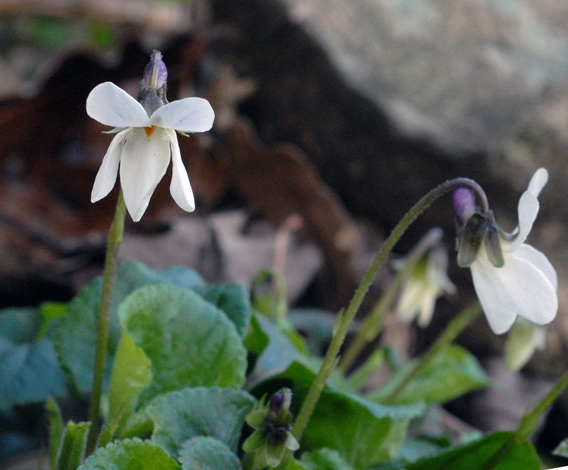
[(149, 131)]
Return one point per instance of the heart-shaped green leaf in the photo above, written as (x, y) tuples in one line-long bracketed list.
[(188, 340), (451, 373), (324, 459), (131, 374), (232, 299), (77, 333), (130, 454), (215, 412), (479, 455), (29, 367), (207, 453)]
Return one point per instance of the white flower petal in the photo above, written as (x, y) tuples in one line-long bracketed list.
[(106, 176), (187, 115), (528, 208), (180, 187), (142, 165), (538, 181), (540, 261), (427, 307), (409, 302), (518, 288), (112, 106), (500, 318)]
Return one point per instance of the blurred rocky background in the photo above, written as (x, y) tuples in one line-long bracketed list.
[(332, 118)]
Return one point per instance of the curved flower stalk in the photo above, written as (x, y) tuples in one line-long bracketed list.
[(426, 281), (145, 142), (510, 277)]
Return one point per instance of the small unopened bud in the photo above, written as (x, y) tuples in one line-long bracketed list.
[(276, 401), (464, 203), (281, 400), (152, 93), (268, 294), (155, 74), (272, 422)]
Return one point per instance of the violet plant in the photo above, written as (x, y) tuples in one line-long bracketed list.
[(185, 375)]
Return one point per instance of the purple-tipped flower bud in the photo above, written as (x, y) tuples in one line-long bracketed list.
[(281, 400), (155, 74), (464, 203), (276, 401)]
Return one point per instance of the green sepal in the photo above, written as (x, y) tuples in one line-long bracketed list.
[(493, 246), (562, 449), (255, 418), (254, 441), (116, 130), (470, 239), (72, 449)]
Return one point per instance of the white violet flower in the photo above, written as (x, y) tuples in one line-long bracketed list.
[(144, 145), (426, 280), (510, 277)]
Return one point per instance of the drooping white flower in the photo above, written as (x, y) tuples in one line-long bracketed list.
[(426, 281), (510, 277), (145, 145)]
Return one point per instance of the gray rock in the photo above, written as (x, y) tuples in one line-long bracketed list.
[(460, 72), (390, 98)]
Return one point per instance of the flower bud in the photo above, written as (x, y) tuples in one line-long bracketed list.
[(424, 279), (463, 200), (523, 340), (155, 73), (272, 422), (281, 400), (268, 294)]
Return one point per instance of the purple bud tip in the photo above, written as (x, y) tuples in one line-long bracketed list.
[(281, 400), (155, 73), (276, 401), (464, 203)]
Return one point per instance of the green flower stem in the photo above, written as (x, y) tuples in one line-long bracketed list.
[(529, 421), (373, 323), (344, 318), (114, 238), (454, 328)]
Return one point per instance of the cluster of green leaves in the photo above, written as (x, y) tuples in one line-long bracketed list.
[(180, 353)]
